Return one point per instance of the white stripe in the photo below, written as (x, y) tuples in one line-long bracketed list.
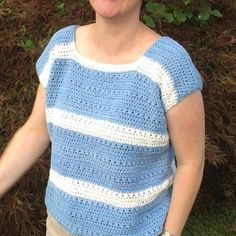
[(105, 129), (157, 73), (98, 193), (143, 65), (45, 73)]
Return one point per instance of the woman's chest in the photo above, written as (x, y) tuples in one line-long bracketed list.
[(128, 98)]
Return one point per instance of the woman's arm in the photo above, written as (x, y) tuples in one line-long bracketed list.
[(26, 146), (186, 125)]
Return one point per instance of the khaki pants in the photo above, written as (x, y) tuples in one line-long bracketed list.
[(53, 228)]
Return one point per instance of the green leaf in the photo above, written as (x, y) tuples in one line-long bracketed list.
[(61, 8), (149, 21), (204, 13), (2, 2), (216, 13), (169, 17), (186, 2), (188, 12), (179, 15), (155, 8)]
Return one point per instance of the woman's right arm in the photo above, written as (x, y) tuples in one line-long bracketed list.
[(25, 147)]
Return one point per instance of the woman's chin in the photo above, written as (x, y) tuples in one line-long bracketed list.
[(107, 13), (107, 9)]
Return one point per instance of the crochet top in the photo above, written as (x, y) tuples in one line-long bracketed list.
[(112, 162)]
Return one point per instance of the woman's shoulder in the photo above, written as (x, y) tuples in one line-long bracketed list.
[(63, 33), (169, 52), (167, 45), (68, 33), (162, 43), (70, 28)]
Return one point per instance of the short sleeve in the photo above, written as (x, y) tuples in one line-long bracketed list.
[(45, 60), (181, 78)]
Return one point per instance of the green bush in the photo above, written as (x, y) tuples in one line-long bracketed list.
[(178, 12)]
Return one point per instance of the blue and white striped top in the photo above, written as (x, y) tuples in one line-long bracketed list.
[(112, 162)]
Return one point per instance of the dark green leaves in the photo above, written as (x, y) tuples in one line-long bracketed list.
[(177, 13)]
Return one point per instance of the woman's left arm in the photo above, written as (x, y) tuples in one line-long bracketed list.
[(186, 126)]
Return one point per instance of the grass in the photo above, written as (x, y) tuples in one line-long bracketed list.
[(216, 222)]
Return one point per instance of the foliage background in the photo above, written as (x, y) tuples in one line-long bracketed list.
[(25, 28)]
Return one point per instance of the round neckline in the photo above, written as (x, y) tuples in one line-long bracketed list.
[(110, 66)]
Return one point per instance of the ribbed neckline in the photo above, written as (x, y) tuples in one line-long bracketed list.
[(109, 66)]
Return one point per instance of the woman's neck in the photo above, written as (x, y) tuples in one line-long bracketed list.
[(119, 34)]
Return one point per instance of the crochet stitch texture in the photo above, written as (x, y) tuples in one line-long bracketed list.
[(112, 162)]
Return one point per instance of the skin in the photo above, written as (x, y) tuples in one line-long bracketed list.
[(128, 42)]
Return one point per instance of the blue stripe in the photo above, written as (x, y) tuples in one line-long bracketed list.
[(133, 100), (96, 218), (136, 169)]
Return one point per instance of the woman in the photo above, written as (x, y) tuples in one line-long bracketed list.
[(121, 100)]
